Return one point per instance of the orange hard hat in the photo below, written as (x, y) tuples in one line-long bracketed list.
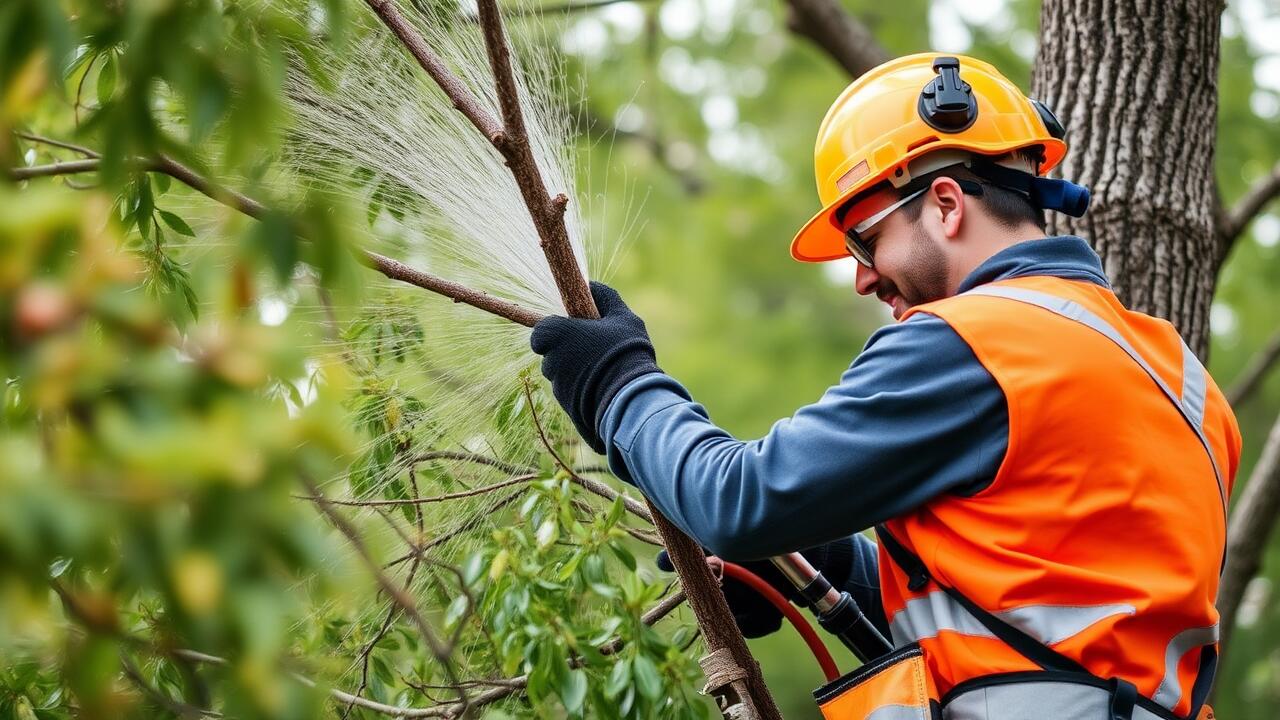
[(900, 111)]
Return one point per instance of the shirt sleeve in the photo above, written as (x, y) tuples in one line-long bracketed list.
[(916, 415)]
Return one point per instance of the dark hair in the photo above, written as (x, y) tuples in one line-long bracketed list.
[(1009, 208)]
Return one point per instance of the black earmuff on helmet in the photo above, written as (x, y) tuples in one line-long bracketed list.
[(1051, 121), (946, 102)]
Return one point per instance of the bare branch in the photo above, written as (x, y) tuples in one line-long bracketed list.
[(1254, 201), (465, 526), (547, 212), (475, 458), (837, 33), (70, 167), (504, 687), (176, 707), (429, 61), (425, 500), (397, 270), (1254, 373), (32, 137), (566, 8), (406, 603), (392, 269), (1249, 529)]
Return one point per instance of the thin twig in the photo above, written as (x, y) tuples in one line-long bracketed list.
[(69, 167), (477, 458), (174, 706), (466, 526), (392, 269), (1254, 201), (1253, 373), (429, 61), (441, 653), (426, 500), (546, 212), (57, 143), (504, 687)]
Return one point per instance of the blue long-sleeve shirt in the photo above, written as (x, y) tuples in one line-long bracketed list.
[(915, 416)]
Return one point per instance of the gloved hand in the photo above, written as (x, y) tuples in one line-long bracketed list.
[(589, 361), (756, 616)]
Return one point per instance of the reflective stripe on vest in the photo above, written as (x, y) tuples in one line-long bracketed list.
[(1190, 404), (897, 712), (927, 615), (1095, 460), (1170, 690), (1036, 699)]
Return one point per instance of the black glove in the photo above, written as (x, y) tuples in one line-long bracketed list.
[(589, 361), (756, 616)]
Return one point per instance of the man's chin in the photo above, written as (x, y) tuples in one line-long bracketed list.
[(898, 306)]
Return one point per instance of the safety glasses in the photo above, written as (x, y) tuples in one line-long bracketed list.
[(853, 242), (864, 253)]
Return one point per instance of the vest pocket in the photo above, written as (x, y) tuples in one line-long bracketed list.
[(896, 686)]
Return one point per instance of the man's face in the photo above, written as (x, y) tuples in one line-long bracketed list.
[(910, 265)]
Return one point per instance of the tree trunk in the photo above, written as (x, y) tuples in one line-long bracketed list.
[(1136, 84)]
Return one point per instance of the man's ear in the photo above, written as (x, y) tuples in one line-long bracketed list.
[(949, 205)]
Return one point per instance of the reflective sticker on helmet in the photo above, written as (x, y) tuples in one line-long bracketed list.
[(853, 175)]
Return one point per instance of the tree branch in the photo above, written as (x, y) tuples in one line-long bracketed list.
[(425, 500), (1253, 373), (848, 42), (32, 137), (442, 654), (547, 212), (393, 269), (707, 602), (1254, 201), (505, 688), (1249, 529), (429, 61), (70, 167)]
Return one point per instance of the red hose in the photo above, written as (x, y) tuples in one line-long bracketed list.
[(789, 611)]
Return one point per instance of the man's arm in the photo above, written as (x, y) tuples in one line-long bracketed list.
[(915, 416)]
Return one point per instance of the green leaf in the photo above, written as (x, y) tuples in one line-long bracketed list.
[(179, 225), (548, 533), (648, 680), (456, 610), (624, 555), (573, 690), (619, 678), (162, 182), (107, 78), (274, 236)]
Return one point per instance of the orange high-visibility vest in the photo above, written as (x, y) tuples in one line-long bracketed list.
[(1103, 533)]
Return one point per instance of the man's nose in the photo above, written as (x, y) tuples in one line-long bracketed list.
[(866, 279)]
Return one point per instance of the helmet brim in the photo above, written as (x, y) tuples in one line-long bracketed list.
[(821, 240)]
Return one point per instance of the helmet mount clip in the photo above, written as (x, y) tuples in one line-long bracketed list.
[(946, 102)]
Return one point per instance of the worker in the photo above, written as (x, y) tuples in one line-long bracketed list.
[(1047, 471)]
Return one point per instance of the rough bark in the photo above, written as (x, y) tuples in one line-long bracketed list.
[(1135, 83)]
